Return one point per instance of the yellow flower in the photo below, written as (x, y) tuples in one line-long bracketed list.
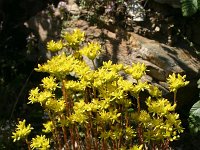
[(40, 143), (136, 71), (48, 127), (78, 117), (144, 117), (92, 50), (130, 133), (74, 85), (154, 91), (161, 107), (135, 147), (103, 76), (39, 97), (75, 38), (55, 105), (49, 83), (175, 82), (103, 116), (140, 86), (112, 67), (33, 95), (124, 85), (22, 131), (79, 105), (59, 66), (54, 46)]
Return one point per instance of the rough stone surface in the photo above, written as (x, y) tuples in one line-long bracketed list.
[(125, 47), (128, 47), (161, 60)]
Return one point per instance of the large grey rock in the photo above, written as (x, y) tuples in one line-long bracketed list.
[(127, 48), (161, 60)]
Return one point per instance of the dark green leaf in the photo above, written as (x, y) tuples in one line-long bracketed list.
[(194, 118), (189, 7)]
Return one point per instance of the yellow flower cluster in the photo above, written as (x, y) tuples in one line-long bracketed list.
[(136, 71), (160, 107), (46, 96), (159, 122), (102, 77), (114, 134), (54, 46), (40, 143), (92, 50), (154, 91), (176, 81), (74, 39), (22, 131), (59, 66), (111, 116), (39, 97), (136, 147), (48, 127), (57, 106), (75, 85), (49, 83)]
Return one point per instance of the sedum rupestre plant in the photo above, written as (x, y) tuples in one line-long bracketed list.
[(95, 110)]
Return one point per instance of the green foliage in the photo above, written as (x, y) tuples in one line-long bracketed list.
[(190, 7), (194, 118), (94, 109)]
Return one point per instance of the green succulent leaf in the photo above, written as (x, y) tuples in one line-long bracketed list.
[(194, 118), (190, 7)]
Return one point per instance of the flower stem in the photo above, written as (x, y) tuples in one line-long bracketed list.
[(71, 130), (77, 138), (139, 129), (55, 132), (65, 97), (28, 144), (175, 94), (95, 68), (65, 138)]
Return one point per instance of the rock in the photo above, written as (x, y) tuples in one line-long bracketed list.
[(161, 60), (45, 28), (71, 7), (157, 29)]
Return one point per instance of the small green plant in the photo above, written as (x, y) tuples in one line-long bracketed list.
[(194, 118), (190, 7), (95, 110)]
